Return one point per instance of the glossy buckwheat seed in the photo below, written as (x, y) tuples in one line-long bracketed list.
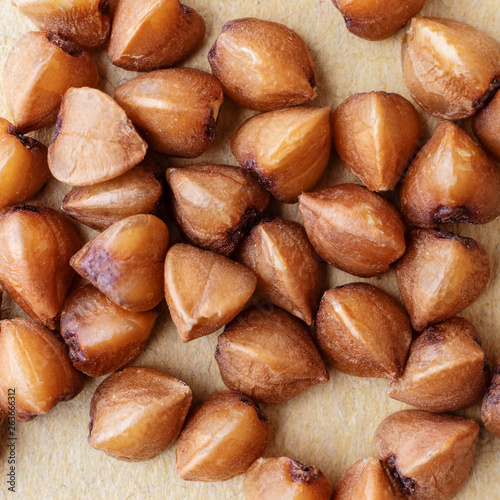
[(125, 262), (176, 110), (363, 331), (95, 141), (446, 369), (137, 413), (23, 165), (441, 274), (450, 68), (40, 68), (245, 53), (287, 150), (284, 477), (377, 20), (288, 269), (375, 135), (353, 229), (204, 290), (368, 479), (216, 205), (135, 192), (37, 244), (430, 455), (222, 438), (268, 355), (451, 180), (101, 336), (35, 363), (153, 34), (86, 22)]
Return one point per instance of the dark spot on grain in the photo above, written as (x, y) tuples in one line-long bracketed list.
[(65, 45), (446, 235), (99, 268), (453, 215), (434, 335), (235, 234), (27, 208), (187, 10), (104, 7), (75, 352), (407, 483), (353, 24), (59, 124), (341, 286), (27, 142), (488, 95), (493, 395), (246, 400), (217, 352), (212, 52), (265, 181), (301, 473), (229, 25), (267, 220), (210, 128)]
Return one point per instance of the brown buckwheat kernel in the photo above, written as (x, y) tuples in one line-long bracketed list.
[(175, 110), (137, 413), (440, 275), (268, 355), (95, 141), (101, 336), (375, 135), (37, 244), (137, 191), (125, 262), (204, 290), (153, 34), (40, 68), (353, 229), (377, 20), (446, 369), (288, 269), (284, 477), (35, 364), (451, 180), (430, 455), (450, 68), (23, 165), (287, 150), (222, 438), (248, 50), (363, 331), (216, 205), (86, 22)]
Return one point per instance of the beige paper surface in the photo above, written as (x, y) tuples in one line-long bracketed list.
[(330, 425)]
